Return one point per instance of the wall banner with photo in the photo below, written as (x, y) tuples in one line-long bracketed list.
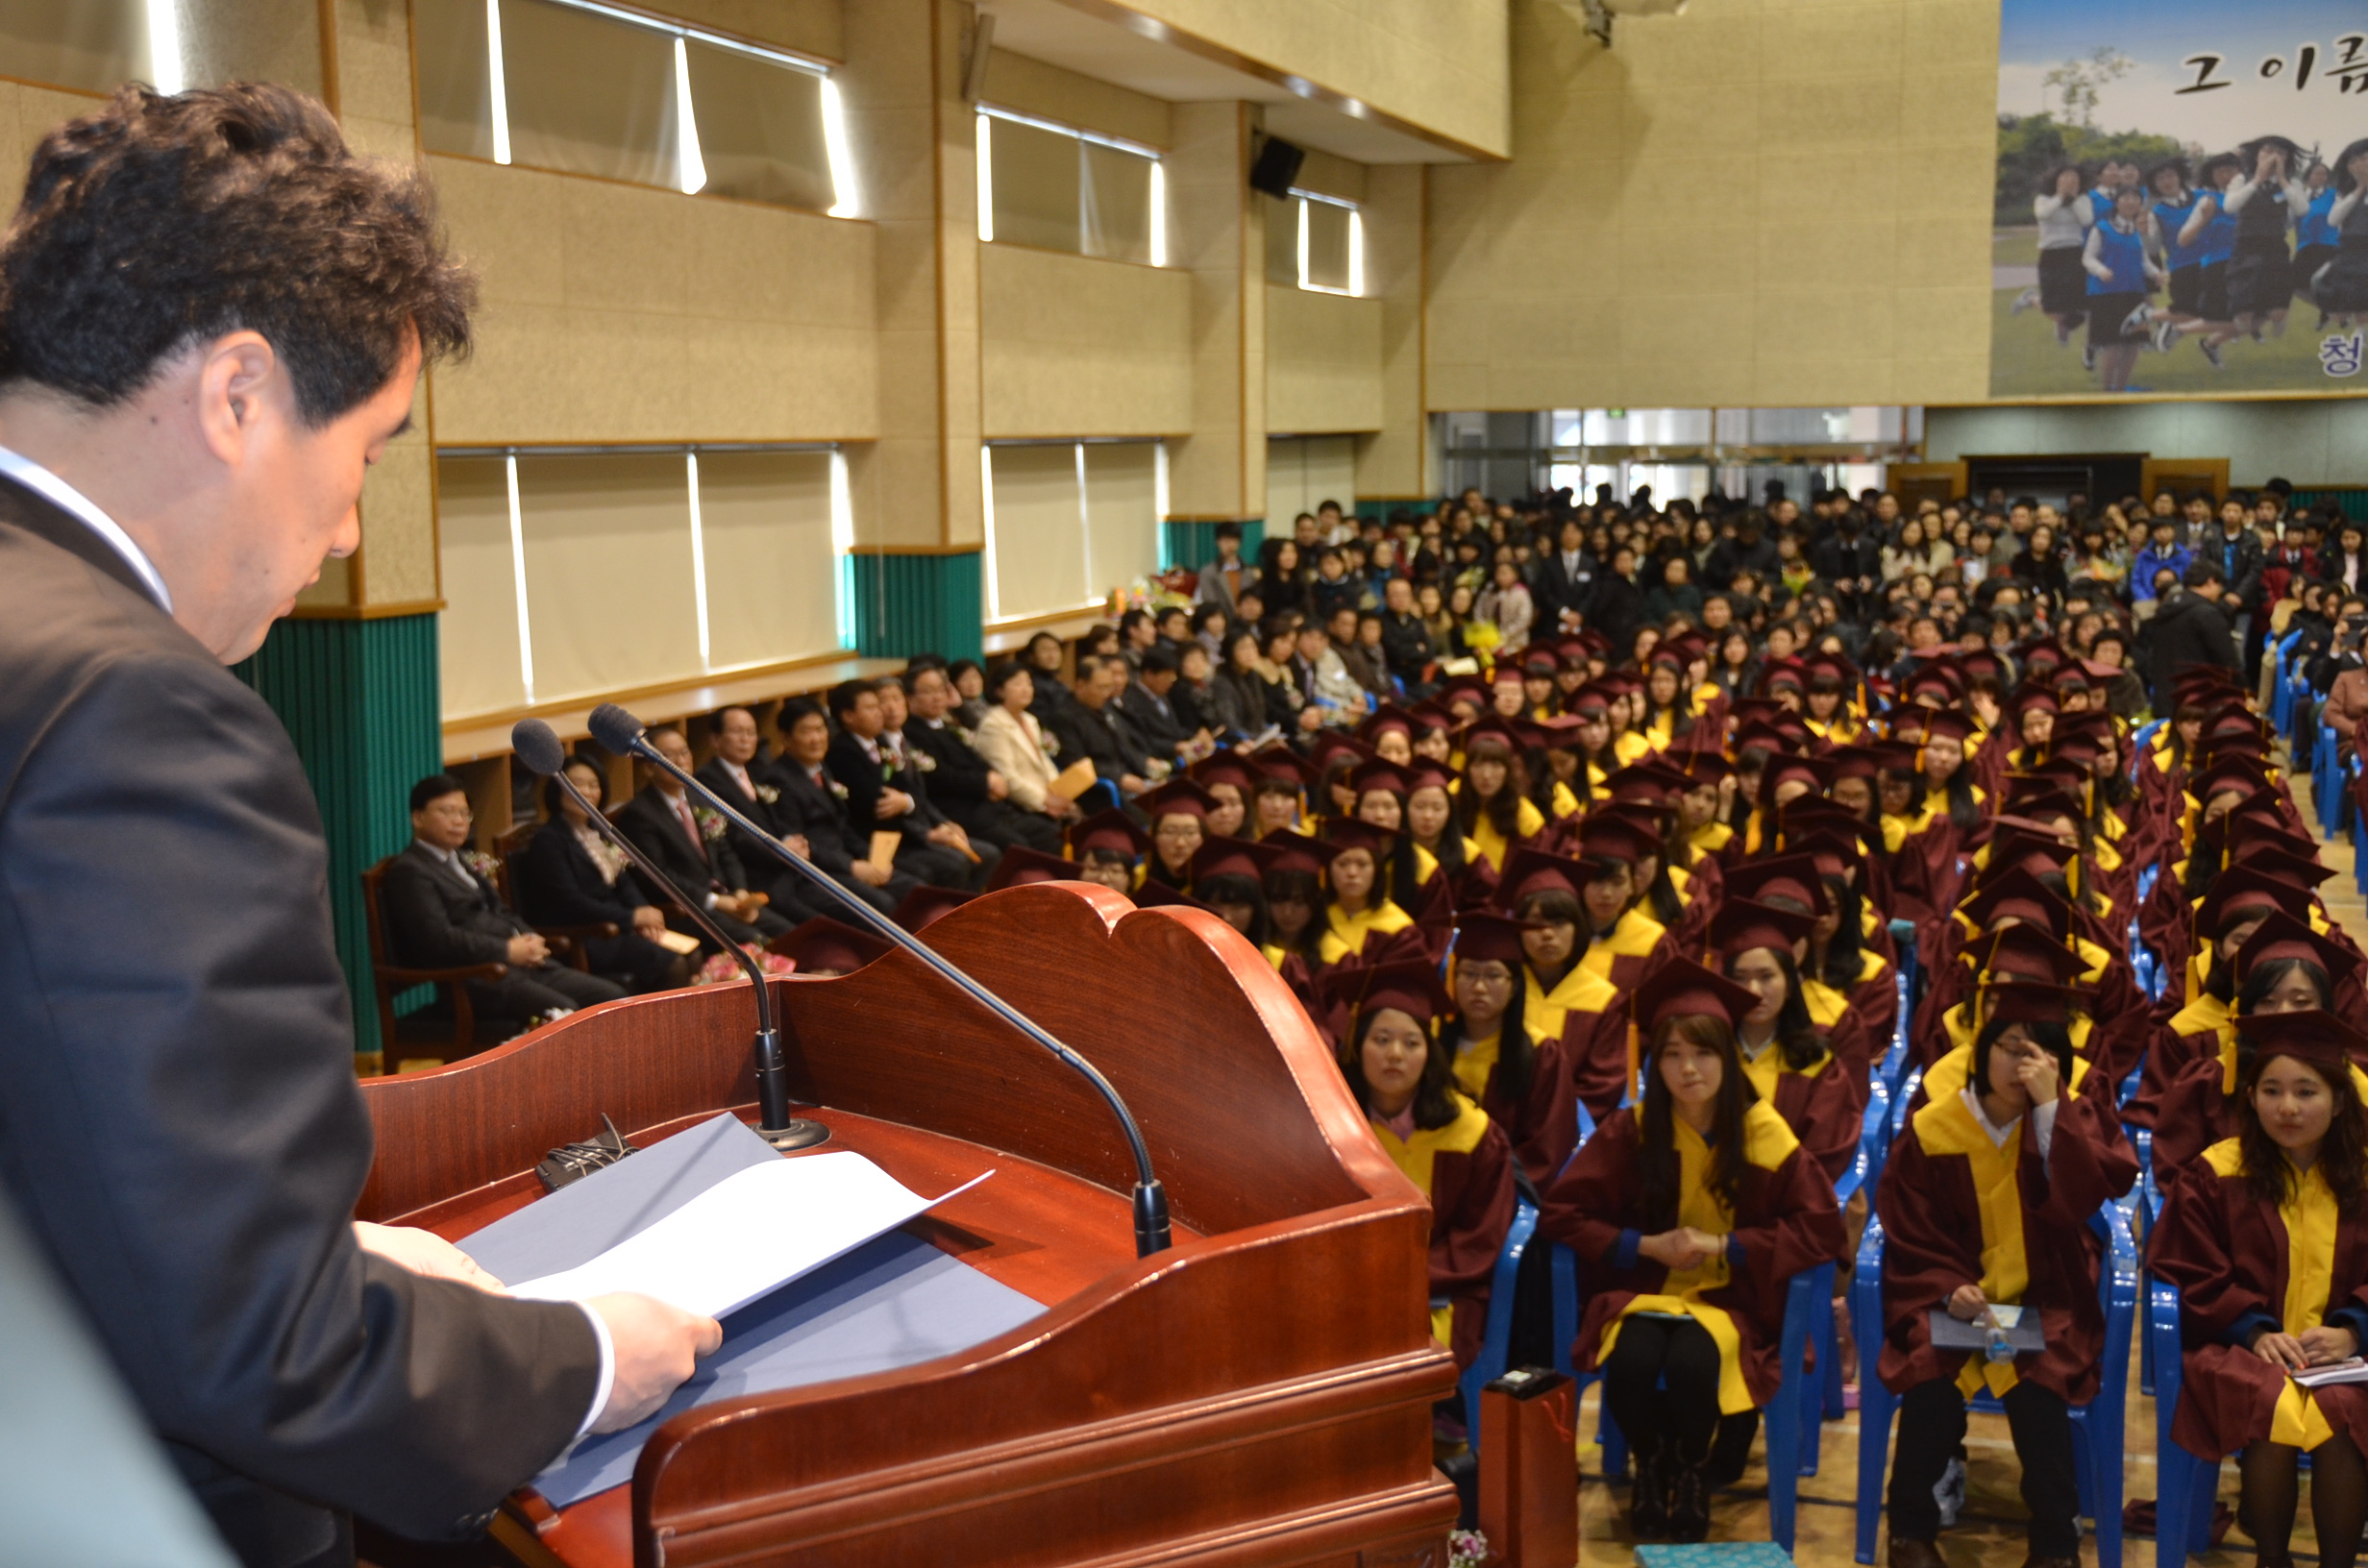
[(2181, 206)]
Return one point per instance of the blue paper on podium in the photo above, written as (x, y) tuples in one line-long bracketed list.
[(894, 1301)]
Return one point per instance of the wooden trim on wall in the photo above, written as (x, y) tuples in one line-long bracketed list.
[(1093, 611), (325, 14), (486, 734), (918, 549), (366, 612), (612, 179)]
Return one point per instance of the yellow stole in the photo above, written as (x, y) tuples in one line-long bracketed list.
[(1416, 1156), (1946, 1126), (1345, 934), (2311, 1217), (1635, 935)]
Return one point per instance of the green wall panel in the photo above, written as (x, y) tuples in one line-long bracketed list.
[(2351, 504), (359, 699), (1193, 546), (908, 604)]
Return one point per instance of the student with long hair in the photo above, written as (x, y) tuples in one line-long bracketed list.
[(1359, 921), (1410, 876), (1519, 1076), (1229, 876), (1430, 825), (1435, 1134), (1783, 1051), (1491, 804), (2264, 1240), (1562, 999), (1626, 944), (1689, 1211), (1985, 1201)]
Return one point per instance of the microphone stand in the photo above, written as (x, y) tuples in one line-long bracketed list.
[(776, 1125), (625, 735)]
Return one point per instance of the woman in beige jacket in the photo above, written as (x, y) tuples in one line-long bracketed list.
[(1013, 744)]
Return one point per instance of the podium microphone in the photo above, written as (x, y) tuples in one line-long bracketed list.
[(536, 746), (626, 736)]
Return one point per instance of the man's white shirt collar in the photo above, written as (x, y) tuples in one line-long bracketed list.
[(54, 490)]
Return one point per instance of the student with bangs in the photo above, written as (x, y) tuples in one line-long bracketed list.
[(1784, 1055), (1295, 895), (1409, 875), (2264, 1238), (1179, 816), (1430, 824), (1953, 1244), (1360, 923), (1229, 876), (1435, 1134), (1625, 944), (1109, 850), (1519, 1077), (1491, 804), (1688, 1210), (1562, 999)]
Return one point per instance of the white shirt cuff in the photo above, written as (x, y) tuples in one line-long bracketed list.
[(609, 1370)]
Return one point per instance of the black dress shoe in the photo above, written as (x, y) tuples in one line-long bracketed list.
[(1906, 1554), (1648, 1494)]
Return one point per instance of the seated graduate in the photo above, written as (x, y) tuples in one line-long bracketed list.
[(1409, 873), (2283, 967), (2265, 1242), (1359, 922), (570, 875), (1689, 1213), (2241, 901), (1229, 876), (1492, 799), (1178, 812), (1278, 799), (1560, 998), (442, 912), (1501, 1063), (1784, 1053), (1437, 1138), (1108, 849), (691, 845), (1985, 1201), (1794, 884), (1625, 944), (1430, 826)]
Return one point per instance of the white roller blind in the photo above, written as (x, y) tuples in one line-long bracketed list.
[(91, 44), (772, 570), (1121, 512), (1305, 470), (1282, 239), (760, 129), (609, 591), (477, 635), (455, 77), (1327, 245), (1115, 204), (588, 96), (1039, 532), (1036, 183)]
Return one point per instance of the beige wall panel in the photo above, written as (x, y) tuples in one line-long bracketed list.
[(374, 77), (1303, 473), (237, 40), (1584, 274), (1074, 346), (476, 636), (1439, 64), (1392, 461), (1323, 362), (1038, 550), (808, 27), (1332, 176), (772, 574), (1030, 87), (1121, 513), (613, 313), (398, 556), (1219, 236), (610, 602)]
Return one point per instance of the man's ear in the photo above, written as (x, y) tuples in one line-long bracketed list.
[(235, 373)]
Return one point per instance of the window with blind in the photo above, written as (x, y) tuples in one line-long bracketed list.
[(1314, 242), (89, 44), (1066, 522), (553, 84), (1059, 190)]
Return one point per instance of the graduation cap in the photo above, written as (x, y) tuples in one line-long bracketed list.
[(823, 945), (2229, 775), (1112, 832), (1332, 748), (1224, 768), (1834, 854), (1280, 762), (1157, 894), (1794, 876), (2282, 937), (1294, 852), (1854, 762), (1741, 925), (1222, 856), (1386, 718), (1648, 782), (2038, 804), (1758, 732), (2314, 1038), (2014, 894), (1783, 672), (1506, 672), (1591, 699), (1343, 836), (1538, 662), (1702, 768), (1379, 775), (1680, 989), (1604, 835), (1981, 664), (1815, 772), (2240, 894), (1529, 871), (2027, 846), (1428, 773), (2028, 1002), (2023, 953), (1177, 797), (1412, 988), (2069, 677), (924, 906), (1483, 937), (1022, 866), (2027, 698), (1556, 733), (1948, 722), (1832, 667), (2079, 750), (2044, 651)]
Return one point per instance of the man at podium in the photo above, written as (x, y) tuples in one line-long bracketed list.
[(211, 321)]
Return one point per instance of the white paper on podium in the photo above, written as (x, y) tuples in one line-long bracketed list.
[(748, 1235)]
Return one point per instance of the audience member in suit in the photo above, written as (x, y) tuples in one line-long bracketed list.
[(963, 784), (883, 796), (1087, 728), (819, 802), (1222, 582), (915, 768), (689, 844), (1159, 730), (569, 876), (735, 773), (442, 913), (1566, 582)]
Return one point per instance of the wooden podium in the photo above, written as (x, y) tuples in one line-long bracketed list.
[(1260, 1395)]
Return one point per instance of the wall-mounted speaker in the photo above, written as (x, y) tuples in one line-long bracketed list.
[(1276, 167)]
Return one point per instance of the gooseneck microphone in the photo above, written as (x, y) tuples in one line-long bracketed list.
[(536, 746), (626, 736)]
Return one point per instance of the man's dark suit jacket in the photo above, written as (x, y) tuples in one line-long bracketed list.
[(958, 774), (434, 922), (1557, 589), (559, 885), (649, 819), (773, 816), (866, 780), (820, 816), (182, 1130)]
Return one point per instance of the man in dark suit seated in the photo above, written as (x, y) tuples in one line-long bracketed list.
[(690, 845), (818, 803), (735, 773), (961, 784), (569, 876), (442, 914), (1158, 728), (215, 317), (1088, 728), (883, 796)]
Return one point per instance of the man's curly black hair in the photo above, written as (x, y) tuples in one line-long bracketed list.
[(160, 222)]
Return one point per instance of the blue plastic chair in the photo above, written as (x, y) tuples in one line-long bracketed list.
[(2139, 742), (2327, 782), (2185, 1485), (2281, 685), (2097, 1427), (1496, 1343)]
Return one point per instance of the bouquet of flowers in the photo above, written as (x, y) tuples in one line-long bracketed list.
[(721, 966)]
